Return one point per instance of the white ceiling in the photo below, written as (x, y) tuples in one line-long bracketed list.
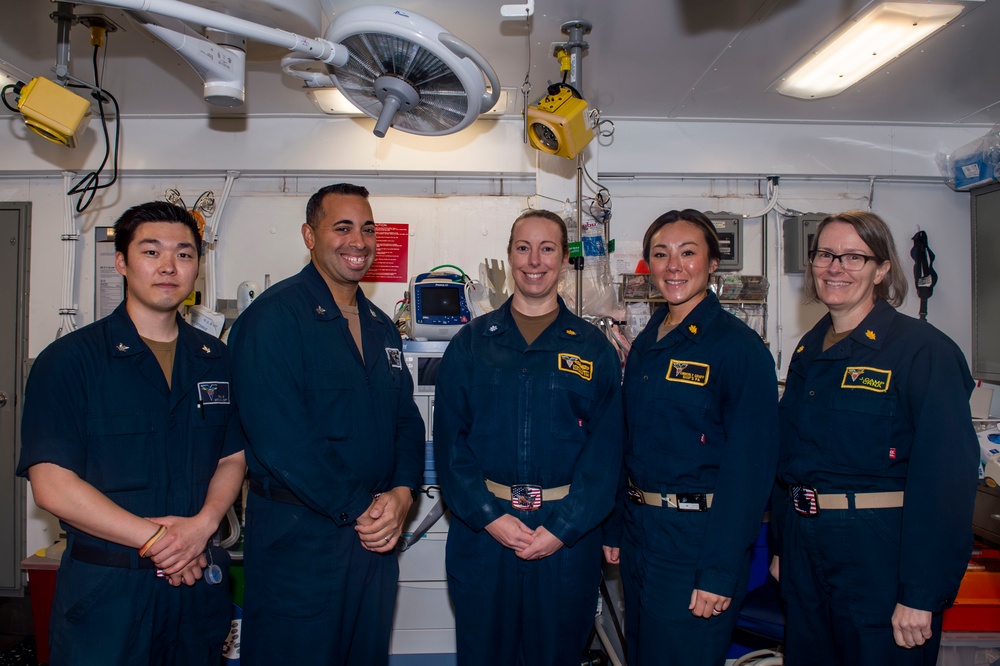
[(657, 59)]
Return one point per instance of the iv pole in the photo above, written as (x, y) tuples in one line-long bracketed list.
[(576, 47)]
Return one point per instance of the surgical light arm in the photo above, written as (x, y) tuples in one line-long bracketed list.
[(318, 48), (222, 68)]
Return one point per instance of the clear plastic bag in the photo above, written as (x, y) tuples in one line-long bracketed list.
[(974, 164)]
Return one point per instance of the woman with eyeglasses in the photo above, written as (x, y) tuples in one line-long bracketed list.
[(877, 464)]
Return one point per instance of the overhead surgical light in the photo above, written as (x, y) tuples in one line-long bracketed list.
[(863, 45), (410, 73), (331, 101), (397, 67)]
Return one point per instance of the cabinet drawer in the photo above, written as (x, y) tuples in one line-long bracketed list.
[(986, 518)]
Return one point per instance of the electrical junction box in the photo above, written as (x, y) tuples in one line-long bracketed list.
[(728, 227), (799, 235), (559, 124), (51, 111)]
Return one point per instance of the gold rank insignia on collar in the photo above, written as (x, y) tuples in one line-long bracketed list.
[(205, 349), (693, 328), (575, 365), (800, 349), (570, 331), (320, 310), (122, 347), (870, 334)]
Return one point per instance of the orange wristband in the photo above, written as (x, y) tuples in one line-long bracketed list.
[(153, 539)]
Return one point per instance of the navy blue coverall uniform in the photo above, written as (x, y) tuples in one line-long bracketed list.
[(547, 414), (701, 417), (97, 404), (325, 432), (885, 409)]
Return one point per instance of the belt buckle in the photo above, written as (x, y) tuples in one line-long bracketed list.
[(692, 502), (635, 496), (804, 500), (526, 497)]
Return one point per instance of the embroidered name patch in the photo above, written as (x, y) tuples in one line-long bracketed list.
[(213, 393), (395, 358), (869, 379), (688, 372), (574, 364)]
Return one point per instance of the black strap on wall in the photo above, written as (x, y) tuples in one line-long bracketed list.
[(924, 275)]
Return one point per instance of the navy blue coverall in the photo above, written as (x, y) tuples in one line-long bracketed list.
[(547, 414), (97, 404), (885, 409), (701, 415), (325, 432)]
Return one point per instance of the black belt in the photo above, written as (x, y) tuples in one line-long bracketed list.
[(122, 559), (274, 493)]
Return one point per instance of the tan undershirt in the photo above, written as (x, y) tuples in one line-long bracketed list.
[(354, 323), (532, 327), (164, 353), (831, 338), (664, 329)]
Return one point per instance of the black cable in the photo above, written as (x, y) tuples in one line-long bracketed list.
[(3, 95), (88, 186)]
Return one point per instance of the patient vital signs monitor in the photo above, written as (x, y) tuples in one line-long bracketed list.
[(438, 306)]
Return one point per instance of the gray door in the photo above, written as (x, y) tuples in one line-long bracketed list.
[(14, 227)]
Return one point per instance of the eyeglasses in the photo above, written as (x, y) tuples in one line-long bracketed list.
[(850, 262)]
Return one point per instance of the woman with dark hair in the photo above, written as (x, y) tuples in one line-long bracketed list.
[(877, 466), (700, 449), (527, 440)]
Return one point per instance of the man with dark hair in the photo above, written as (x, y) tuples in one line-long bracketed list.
[(131, 438), (335, 450)]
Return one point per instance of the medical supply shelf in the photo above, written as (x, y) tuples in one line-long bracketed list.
[(743, 296)]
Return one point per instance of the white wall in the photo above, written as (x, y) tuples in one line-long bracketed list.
[(459, 195)]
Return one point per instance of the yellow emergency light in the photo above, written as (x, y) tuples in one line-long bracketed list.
[(558, 123), (51, 111)]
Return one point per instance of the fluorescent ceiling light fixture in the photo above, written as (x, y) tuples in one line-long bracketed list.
[(863, 45), (333, 102)]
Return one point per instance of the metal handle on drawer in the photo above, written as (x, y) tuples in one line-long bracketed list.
[(995, 516)]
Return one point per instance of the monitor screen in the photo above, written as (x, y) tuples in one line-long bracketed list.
[(440, 301), (427, 369)]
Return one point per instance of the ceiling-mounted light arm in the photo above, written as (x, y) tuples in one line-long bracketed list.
[(463, 50), (222, 68), (317, 48), (303, 68)]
